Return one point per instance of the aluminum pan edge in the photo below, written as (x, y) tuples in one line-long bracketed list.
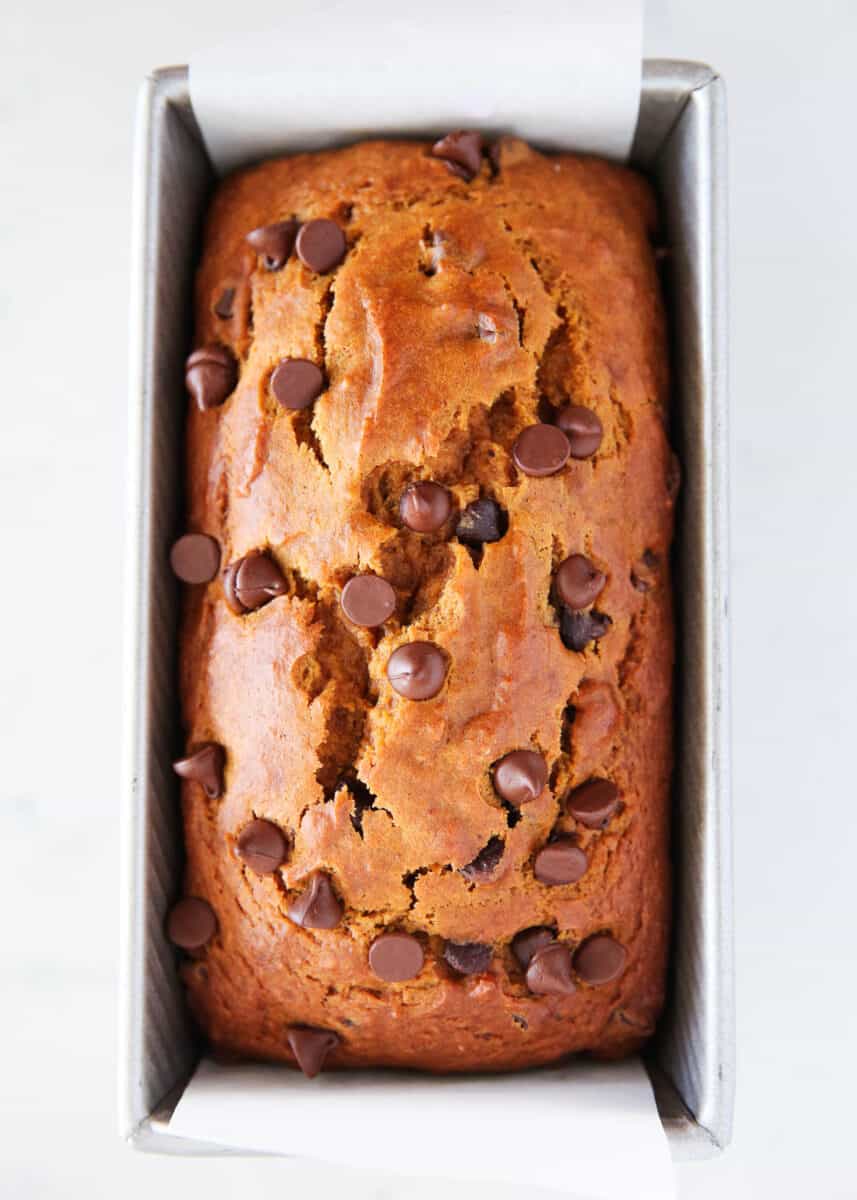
[(696, 1046), (672, 92)]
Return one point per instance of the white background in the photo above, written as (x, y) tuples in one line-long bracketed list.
[(67, 86)]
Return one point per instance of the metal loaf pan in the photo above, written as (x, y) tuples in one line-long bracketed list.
[(680, 143)]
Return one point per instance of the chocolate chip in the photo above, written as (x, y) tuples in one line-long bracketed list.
[(599, 959), (274, 242), (644, 573), (205, 767), (311, 1047), (520, 776), (461, 151), (526, 943), (262, 846), (541, 450), (486, 861), (481, 521), (195, 558), (191, 923), (318, 907), (321, 245), (578, 581), (394, 957), (368, 600), (424, 507), (578, 629), (582, 428), (549, 972), (252, 581), (417, 670), (296, 383), (223, 307), (210, 376), (593, 803), (559, 862), (469, 958)]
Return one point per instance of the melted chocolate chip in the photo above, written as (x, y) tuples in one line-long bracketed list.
[(311, 1047), (583, 429), (559, 862), (578, 629), (485, 862), (541, 450), (526, 943), (468, 958), (368, 600), (252, 581), (593, 803), (318, 907), (644, 573), (191, 923), (596, 713), (417, 670), (262, 846), (520, 776), (274, 242), (424, 507), (210, 376), (549, 972), (296, 383), (205, 767), (599, 959), (578, 582), (195, 558), (395, 957), (481, 521), (321, 245), (224, 306), (461, 151)]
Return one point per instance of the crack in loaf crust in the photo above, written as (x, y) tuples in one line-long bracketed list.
[(461, 313)]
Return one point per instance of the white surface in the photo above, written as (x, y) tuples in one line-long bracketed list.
[(255, 94), (66, 103), (582, 1112)]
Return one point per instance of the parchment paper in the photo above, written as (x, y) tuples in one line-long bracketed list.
[(562, 73), (587, 1129)]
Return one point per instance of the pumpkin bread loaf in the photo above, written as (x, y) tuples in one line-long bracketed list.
[(427, 643)]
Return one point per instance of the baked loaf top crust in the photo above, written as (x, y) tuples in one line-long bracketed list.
[(382, 784)]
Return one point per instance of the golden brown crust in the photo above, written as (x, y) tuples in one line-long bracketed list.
[(461, 312)]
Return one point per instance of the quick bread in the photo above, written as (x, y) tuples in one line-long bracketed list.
[(427, 644)]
